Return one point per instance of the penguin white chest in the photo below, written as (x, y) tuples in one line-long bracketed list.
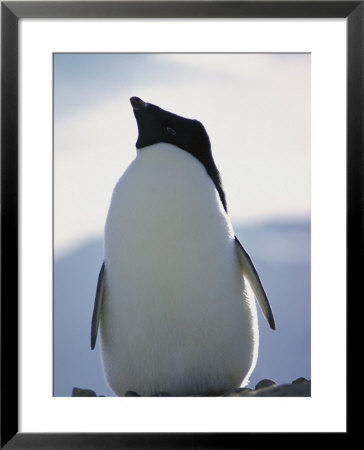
[(175, 316)]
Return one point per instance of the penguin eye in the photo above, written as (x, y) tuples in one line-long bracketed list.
[(171, 131)]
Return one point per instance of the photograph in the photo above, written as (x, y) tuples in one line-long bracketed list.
[(181, 210), (181, 224)]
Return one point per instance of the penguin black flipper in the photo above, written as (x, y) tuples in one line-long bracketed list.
[(97, 307), (249, 272)]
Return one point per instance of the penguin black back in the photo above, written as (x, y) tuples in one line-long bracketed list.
[(157, 125)]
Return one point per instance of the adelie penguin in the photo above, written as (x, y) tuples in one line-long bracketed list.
[(171, 302)]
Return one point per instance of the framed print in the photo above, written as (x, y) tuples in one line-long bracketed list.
[(283, 81)]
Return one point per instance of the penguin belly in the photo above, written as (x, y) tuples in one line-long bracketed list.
[(176, 315)]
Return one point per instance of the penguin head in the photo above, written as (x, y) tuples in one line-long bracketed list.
[(157, 125)]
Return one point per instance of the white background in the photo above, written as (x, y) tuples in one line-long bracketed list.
[(40, 412)]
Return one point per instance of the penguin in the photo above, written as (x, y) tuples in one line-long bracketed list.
[(172, 301)]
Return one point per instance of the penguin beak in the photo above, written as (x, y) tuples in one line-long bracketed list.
[(137, 103)]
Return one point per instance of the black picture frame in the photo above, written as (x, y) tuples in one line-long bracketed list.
[(11, 12)]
